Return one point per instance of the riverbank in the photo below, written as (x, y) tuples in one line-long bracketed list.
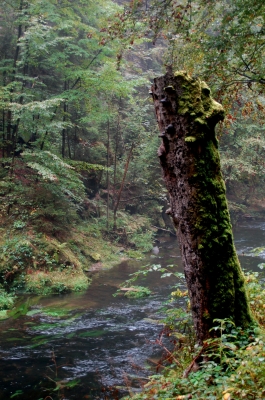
[(41, 262), (38, 260), (229, 367)]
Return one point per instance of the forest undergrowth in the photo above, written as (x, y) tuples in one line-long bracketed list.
[(229, 366), (53, 236)]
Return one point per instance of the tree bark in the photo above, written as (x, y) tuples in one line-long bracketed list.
[(187, 115), (108, 181), (121, 188)]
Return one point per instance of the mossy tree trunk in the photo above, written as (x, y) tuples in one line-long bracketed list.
[(187, 115)]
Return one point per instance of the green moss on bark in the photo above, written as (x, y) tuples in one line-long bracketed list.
[(190, 160)]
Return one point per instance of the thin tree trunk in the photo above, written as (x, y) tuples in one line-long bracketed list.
[(115, 159), (75, 141), (64, 119), (69, 145), (46, 132), (4, 121), (63, 142), (11, 133), (114, 176), (121, 188), (187, 115), (108, 185), (3, 134)]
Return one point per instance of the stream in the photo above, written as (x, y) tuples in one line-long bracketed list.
[(92, 345)]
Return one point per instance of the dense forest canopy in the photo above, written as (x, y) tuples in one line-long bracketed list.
[(61, 89), (68, 70)]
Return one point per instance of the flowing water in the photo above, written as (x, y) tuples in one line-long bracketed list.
[(92, 345)]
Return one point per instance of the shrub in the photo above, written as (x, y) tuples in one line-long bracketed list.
[(230, 366), (6, 300), (56, 282)]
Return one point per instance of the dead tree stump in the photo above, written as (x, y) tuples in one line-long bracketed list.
[(187, 115)]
